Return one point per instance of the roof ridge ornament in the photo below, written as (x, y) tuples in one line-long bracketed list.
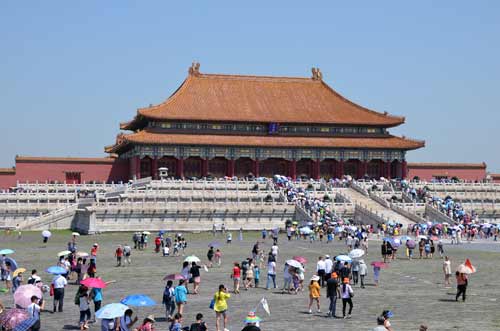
[(316, 74), (194, 70)]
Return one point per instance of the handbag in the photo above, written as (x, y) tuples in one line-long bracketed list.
[(212, 304), (51, 292)]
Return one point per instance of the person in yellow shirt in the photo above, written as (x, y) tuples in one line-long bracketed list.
[(220, 307), (314, 293)]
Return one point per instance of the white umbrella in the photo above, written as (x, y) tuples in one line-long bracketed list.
[(305, 230), (356, 253), (46, 233), (463, 269), (293, 263), (422, 237), (146, 232), (343, 258), (75, 234), (192, 258)]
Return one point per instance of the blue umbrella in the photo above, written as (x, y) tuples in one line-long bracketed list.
[(388, 239), (343, 258), (111, 310), (6, 251), (56, 270), (12, 262), (138, 300)]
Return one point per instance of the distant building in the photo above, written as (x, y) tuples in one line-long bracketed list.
[(438, 171)]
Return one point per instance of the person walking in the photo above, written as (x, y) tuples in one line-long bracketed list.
[(210, 256), (169, 300), (347, 294), (355, 271), (363, 270), (199, 325), (271, 274), (34, 311), (462, 283), (126, 321), (196, 276), (447, 272), (314, 293), (321, 270), (59, 283), (119, 255), (332, 293), (127, 251), (180, 293), (236, 276), (84, 310), (220, 307)]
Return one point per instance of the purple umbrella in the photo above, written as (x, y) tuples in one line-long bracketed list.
[(411, 244), (10, 318), (173, 277)]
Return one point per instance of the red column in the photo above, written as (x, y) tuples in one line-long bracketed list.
[(154, 168), (340, 173), (230, 167), (388, 169), (137, 167), (180, 168), (204, 167), (316, 169), (404, 170), (255, 168), (293, 169)]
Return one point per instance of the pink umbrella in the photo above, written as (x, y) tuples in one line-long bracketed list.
[(434, 238), (23, 294), (379, 264), (173, 277), (93, 282), (300, 259), (10, 318)]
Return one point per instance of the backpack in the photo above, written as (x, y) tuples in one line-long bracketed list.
[(31, 281), (77, 298), (167, 295)]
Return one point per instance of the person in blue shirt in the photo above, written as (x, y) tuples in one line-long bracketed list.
[(180, 293), (256, 275)]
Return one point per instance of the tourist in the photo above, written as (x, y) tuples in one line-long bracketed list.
[(166, 250), (126, 321), (462, 283), (320, 270), (287, 279), (157, 244), (229, 238), (210, 256), (271, 274), (249, 275), (387, 314), (244, 267), (92, 269), (363, 269), (421, 245), (148, 323), (256, 273), (220, 307), (169, 299), (218, 257), (93, 252), (185, 270), (440, 248), (34, 278), (355, 271), (34, 311), (119, 255), (314, 293), (195, 275), (59, 283), (199, 325), (328, 267), (376, 274), (347, 294), (274, 251), (251, 322), (240, 237), (110, 324), (345, 271), (8, 276), (127, 251), (380, 324), (17, 281), (236, 276), (180, 293), (332, 293), (84, 311), (264, 234), (447, 272)]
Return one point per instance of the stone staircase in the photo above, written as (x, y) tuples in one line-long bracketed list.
[(60, 218), (382, 212)]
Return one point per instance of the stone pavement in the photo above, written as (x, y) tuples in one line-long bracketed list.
[(413, 290)]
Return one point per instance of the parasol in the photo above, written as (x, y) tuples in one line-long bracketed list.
[(23, 294)]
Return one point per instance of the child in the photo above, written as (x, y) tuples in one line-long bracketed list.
[(166, 250), (314, 293), (84, 311), (256, 274), (168, 300), (218, 257)]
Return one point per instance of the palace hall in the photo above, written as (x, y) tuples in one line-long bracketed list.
[(236, 125)]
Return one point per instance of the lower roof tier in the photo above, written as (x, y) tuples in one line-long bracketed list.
[(146, 137)]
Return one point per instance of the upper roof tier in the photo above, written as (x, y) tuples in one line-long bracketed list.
[(237, 98)]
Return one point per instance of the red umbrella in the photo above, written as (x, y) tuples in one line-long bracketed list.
[(300, 259), (10, 318), (379, 264), (173, 277), (93, 282)]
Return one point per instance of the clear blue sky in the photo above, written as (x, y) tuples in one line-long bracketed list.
[(70, 71)]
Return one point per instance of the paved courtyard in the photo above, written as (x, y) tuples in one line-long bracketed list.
[(413, 290)]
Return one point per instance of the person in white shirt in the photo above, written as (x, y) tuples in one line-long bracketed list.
[(34, 278), (347, 293), (271, 274), (321, 270), (34, 311), (59, 283), (274, 250), (328, 267)]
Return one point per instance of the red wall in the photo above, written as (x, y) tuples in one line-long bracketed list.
[(467, 174), (53, 170)]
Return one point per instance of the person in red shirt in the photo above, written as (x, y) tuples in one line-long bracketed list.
[(93, 252), (236, 277), (119, 254), (157, 244)]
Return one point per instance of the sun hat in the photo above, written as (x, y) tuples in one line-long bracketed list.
[(315, 278), (151, 318), (346, 280), (327, 256), (252, 318)]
